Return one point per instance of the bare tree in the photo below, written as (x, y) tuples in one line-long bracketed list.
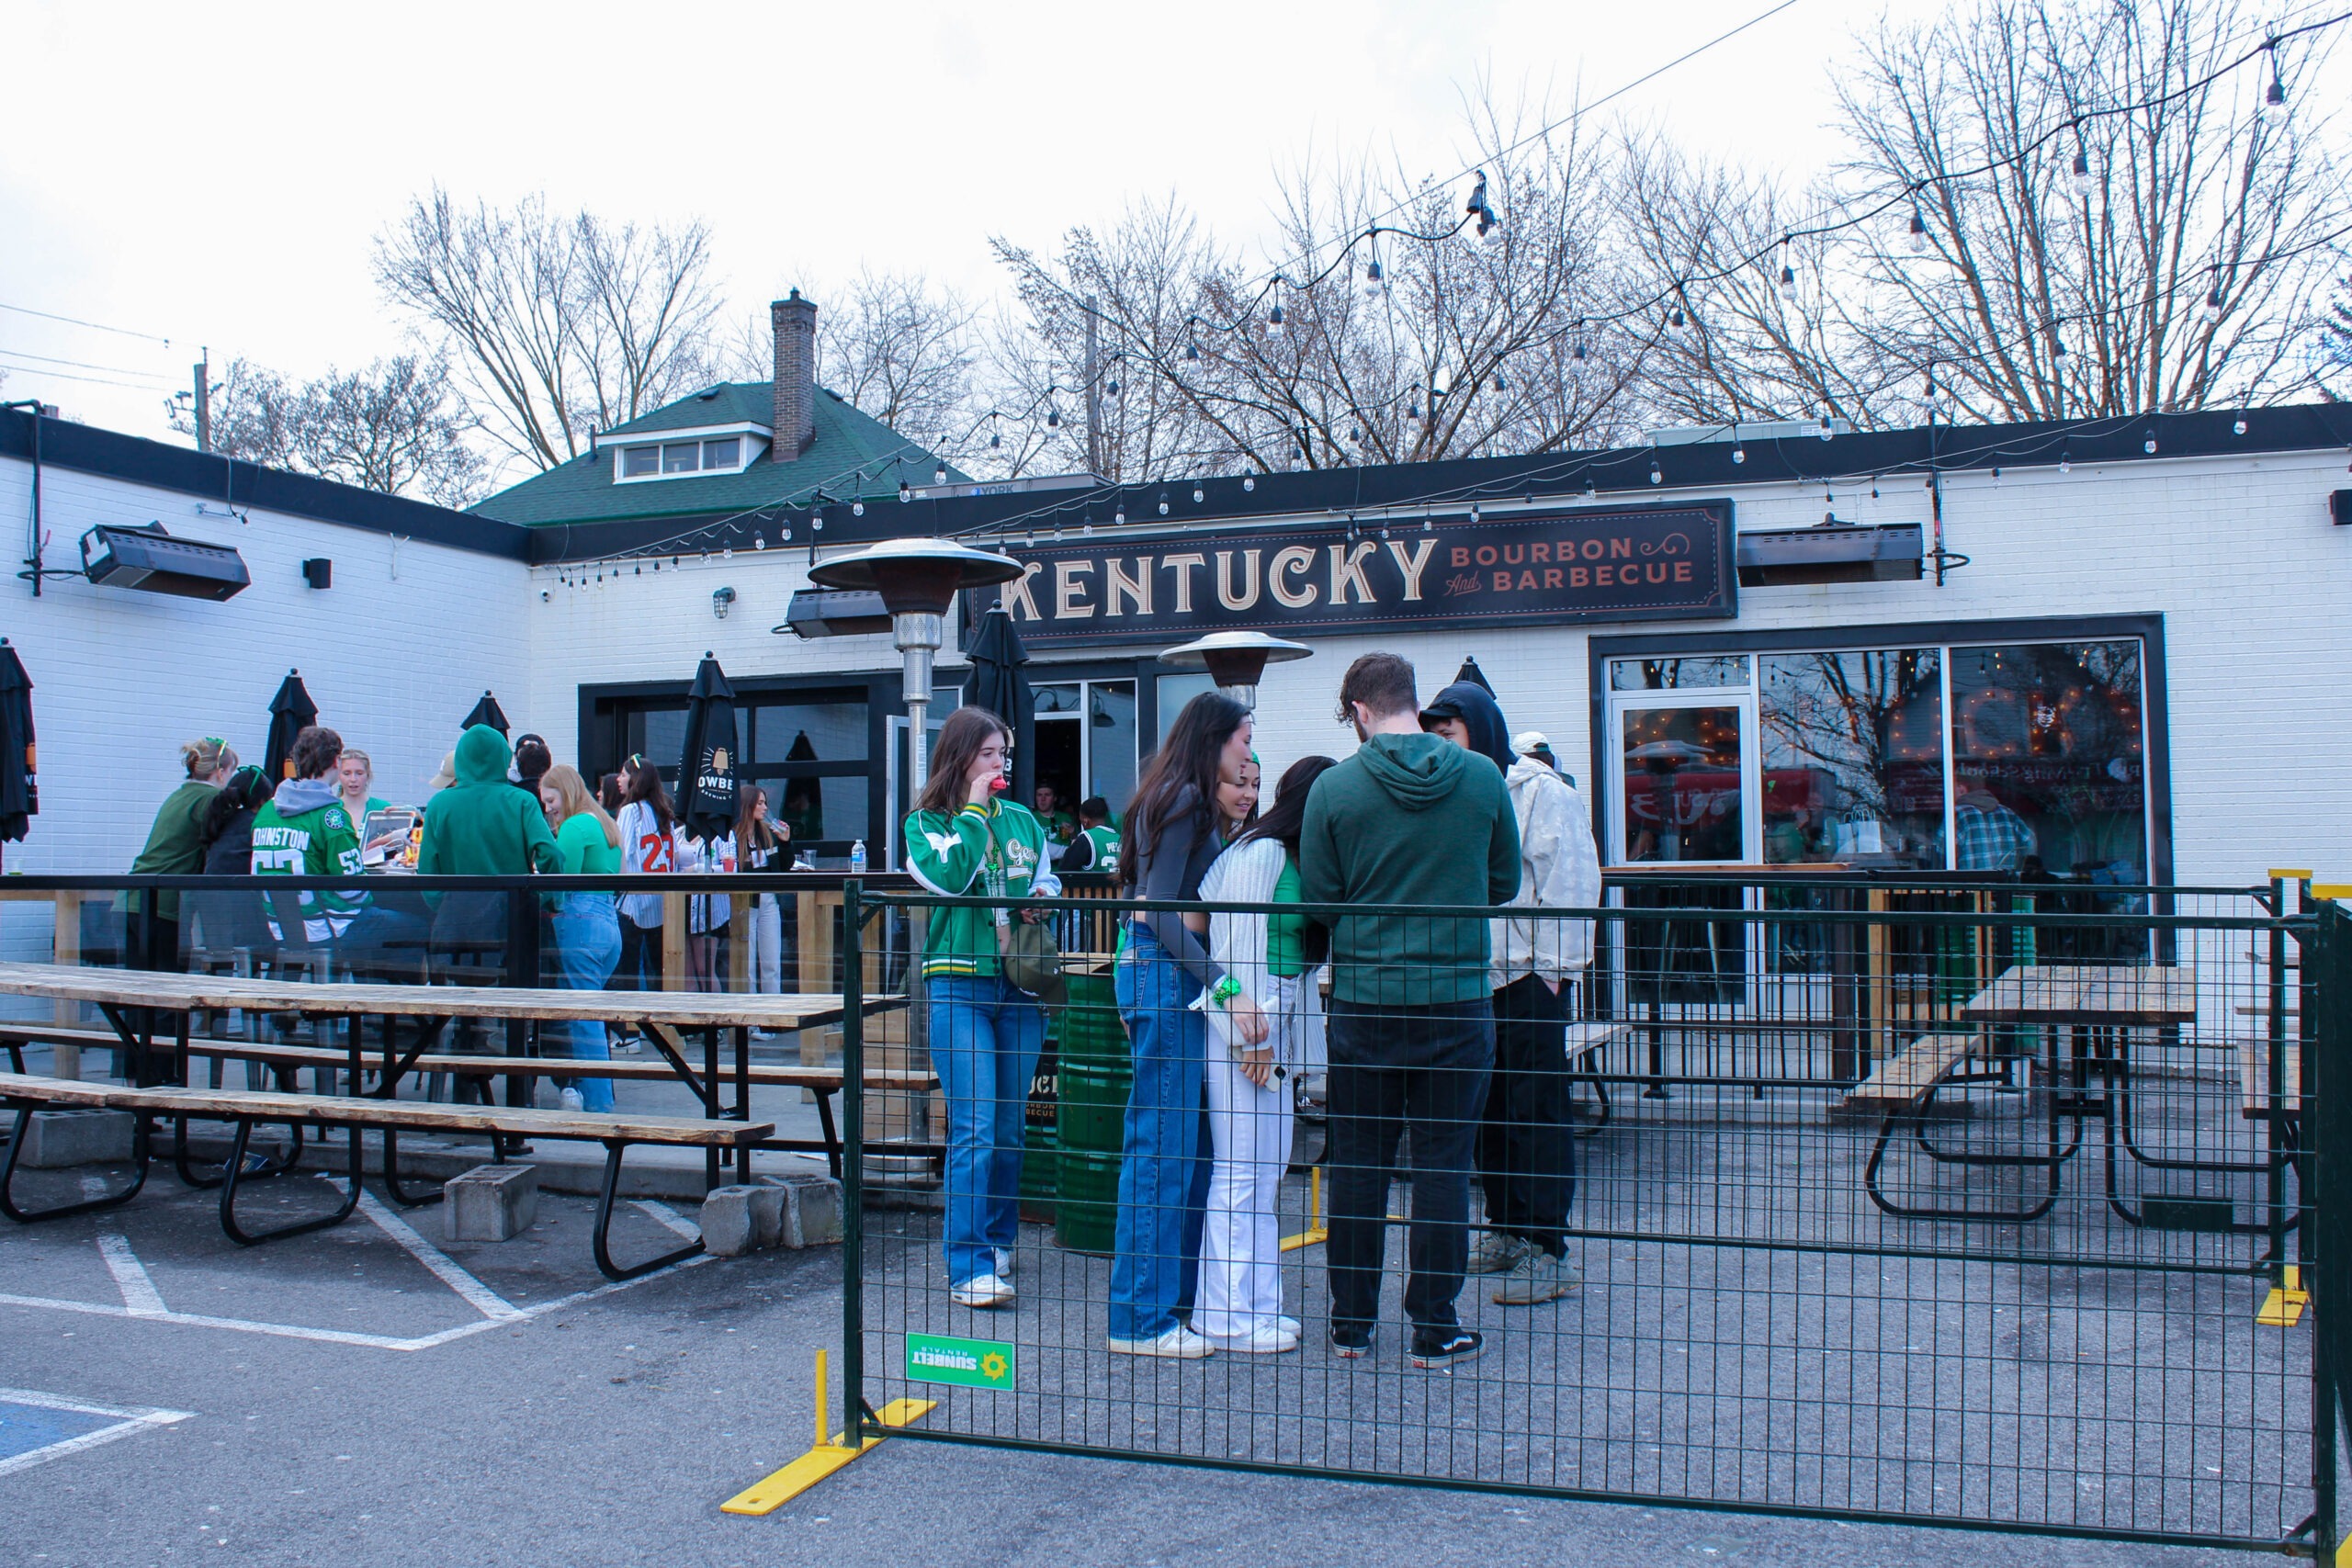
[(558, 325), (393, 427), (1449, 347), (2075, 211)]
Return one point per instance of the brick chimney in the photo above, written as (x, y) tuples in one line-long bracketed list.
[(795, 376)]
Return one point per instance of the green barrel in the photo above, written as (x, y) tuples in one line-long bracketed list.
[(1093, 1074), (1041, 1139)]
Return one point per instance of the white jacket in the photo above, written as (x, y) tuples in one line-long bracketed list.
[(1247, 874), (1559, 869)]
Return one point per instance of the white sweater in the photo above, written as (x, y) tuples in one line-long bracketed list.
[(1559, 868), (1247, 874)]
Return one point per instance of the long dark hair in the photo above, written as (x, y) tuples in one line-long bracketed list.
[(1283, 822), (960, 739), (751, 833), (1187, 760), (641, 783)]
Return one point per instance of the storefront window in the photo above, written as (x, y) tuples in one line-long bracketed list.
[(2049, 776), (806, 732), (1681, 772), (1853, 757), (1675, 674), (1175, 691)]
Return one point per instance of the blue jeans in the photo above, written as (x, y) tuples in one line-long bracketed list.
[(985, 1036), (1164, 1176), (587, 945)]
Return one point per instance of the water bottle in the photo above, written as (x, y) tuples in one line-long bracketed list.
[(857, 858)]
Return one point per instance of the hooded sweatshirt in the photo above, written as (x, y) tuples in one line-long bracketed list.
[(305, 830), (1559, 869), (483, 826), (1474, 705), (1409, 819)]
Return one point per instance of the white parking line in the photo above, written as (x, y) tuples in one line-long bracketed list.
[(127, 1422), (670, 1217), (484, 1300), (140, 1296)]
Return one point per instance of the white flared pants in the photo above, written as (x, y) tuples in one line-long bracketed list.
[(1249, 1131)]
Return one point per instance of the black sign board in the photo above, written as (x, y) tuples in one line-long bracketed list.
[(1533, 567)]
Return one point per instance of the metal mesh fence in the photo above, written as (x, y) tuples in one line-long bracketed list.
[(1958, 1205)]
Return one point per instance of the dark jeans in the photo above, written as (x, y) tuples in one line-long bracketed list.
[(1392, 1067), (1527, 1158)]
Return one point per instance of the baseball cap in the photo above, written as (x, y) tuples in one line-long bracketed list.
[(1528, 742)]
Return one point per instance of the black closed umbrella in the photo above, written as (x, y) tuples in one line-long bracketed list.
[(706, 771), (19, 797), (290, 713), (998, 684), (486, 711), (1475, 676)]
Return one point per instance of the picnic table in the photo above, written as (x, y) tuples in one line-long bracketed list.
[(2083, 1016), (135, 1002)]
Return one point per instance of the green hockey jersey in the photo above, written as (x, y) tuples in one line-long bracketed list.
[(998, 850), (305, 830)]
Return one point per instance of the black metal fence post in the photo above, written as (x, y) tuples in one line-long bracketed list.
[(2328, 961), (853, 1409)]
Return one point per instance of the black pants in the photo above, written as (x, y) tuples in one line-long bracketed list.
[(1392, 1067), (1527, 1158), (640, 965)]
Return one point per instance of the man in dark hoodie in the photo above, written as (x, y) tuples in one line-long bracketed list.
[(1410, 818), (481, 825)]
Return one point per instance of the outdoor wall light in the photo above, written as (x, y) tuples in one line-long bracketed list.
[(720, 598)]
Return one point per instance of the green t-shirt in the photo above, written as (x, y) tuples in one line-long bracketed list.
[(1286, 934), (1060, 825), (175, 844), (585, 850)]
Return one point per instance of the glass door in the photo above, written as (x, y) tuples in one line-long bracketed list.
[(1683, 778)]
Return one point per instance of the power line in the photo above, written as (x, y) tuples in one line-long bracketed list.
[(94, 326), (94, 381), (84, 364)]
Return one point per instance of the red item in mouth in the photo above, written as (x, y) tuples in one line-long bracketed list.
[(999, 785)]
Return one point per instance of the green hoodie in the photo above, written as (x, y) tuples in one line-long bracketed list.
[(483, 826), (1409, 820)]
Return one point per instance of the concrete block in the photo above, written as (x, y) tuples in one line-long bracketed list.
[(729, 1221), (490, 1203), (55, 1138), (812, 1209), (767, 1215)]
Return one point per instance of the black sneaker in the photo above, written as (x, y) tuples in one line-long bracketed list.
[(1444, 1348), (1351, 1340)]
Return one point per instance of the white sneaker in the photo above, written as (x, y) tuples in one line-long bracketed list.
[(986, 1291), (1003, 1262), (1266, 1339), (1179, 1343), (571, 1099)]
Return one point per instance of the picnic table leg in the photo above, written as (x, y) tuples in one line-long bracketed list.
[(600, 1239), (713, 1161), (9, 1205), (832, 1138), (236, 1172), (401, 1195), (743, 1099)]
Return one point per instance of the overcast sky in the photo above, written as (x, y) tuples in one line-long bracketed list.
[(214, 175)]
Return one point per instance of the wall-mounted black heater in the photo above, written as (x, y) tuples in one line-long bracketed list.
[(1889, 552), (153, 561), (834, 612)]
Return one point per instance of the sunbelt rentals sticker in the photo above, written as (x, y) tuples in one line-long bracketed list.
[(974, 1363)]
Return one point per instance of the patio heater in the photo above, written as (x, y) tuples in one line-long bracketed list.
[(918, 580), (1235, 659)]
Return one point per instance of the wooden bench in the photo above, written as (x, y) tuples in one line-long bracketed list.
[(1585, 1041), (26, 1094), (2253, 1079), (1905, 1077), (823, 1083)]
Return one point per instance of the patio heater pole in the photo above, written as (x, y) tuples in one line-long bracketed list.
[(918, 580), (1235, 661)]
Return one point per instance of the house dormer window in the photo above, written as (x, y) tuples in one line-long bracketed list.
[(683, 454)]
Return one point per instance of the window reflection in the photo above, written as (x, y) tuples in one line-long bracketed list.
[(1682, 785), (2048, 776), (1853, 758), (1674, 674)]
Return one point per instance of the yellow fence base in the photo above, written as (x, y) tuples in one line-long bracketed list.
[(829, 1453), (2283, 1308)]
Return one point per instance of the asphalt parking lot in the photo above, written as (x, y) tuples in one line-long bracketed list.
[(371, 1396)]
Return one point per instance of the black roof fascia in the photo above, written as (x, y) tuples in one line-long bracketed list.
[(88, 450), (1402, 489)]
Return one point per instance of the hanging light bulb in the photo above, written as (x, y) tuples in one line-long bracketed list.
[(726, 554), (995, 441), (1274, 318), (1113, 388), (905, 493), (1655, 477), (1676, 319), (1429, 524), (1197, 496), (1249, 481), (1413, 403), (1826, 431), (939, 472), (857, 509), (1739, 454), (1918, 230), (2149, 446), (2081, 173), (1191, 351), (2213, 304), (2237, 425), (1120, 515), (2065, 461), (1591, 489), (1577, 352), (759, 541), (2057, 346), (2274, 101), (784, 535), (1373, 284), (1163, 503), (1053, 417), (1788, 276), (1474, 512)]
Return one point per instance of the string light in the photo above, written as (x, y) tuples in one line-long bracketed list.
[(1197, 496), (1738, 452), (1053, 417), (905, 494), (857, 509), (2237, 425), (939, 473), (2081, 173), (2149, 446), (1249, 481), (1825, 432), (1655, 477), (1373, 284), (1119, 515), (1918, 230), (2065, 461), (2274, 101), (2213, 304), (1163, 503), (1675, 320)]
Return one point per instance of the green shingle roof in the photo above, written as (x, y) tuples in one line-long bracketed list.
[(853, 455)]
